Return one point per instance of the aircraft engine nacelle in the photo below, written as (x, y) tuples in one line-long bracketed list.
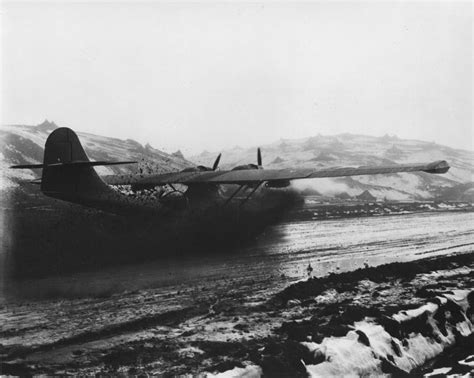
[(278, 184), (175, 199)]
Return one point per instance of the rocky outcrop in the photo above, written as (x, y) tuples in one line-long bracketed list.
[(366, 196)]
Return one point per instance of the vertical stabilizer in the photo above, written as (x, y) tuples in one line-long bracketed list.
[(63, 174)]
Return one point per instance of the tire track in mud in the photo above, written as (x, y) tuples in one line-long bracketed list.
[(169, 319), (294, 312), (274, 265)]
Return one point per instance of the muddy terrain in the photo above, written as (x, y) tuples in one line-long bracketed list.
[(379, 293), (395, 318)]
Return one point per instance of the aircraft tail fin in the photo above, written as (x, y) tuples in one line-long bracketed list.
[(62, 176), (67, 171)]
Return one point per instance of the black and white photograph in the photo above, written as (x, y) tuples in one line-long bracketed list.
[(236, 189)]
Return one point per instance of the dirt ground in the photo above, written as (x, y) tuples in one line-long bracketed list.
[(279, 335)]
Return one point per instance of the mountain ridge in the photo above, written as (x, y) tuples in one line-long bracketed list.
[(347, 149), (23, 144), (284, 141)]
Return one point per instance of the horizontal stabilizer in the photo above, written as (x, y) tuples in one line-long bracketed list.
[(27, 166), (77, 163)]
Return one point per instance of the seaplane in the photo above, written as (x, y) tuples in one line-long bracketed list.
[(191, 196)]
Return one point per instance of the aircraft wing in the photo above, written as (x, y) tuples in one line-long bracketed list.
[(260, 175)]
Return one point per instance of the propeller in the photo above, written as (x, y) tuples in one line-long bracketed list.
[(203, 168), (251, 166), (216, 163)]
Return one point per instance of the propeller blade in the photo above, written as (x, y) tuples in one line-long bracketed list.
[(216, 163), (259, 157)]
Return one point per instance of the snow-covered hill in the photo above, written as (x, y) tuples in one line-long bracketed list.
[(21, 144), (356, 150)]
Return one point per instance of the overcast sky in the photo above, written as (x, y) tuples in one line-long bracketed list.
[(200, 76)]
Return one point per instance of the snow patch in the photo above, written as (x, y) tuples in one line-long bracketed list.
[(438, 372), (343, 356), (403, 316), (190, 351), (250, 371), (364, 350)]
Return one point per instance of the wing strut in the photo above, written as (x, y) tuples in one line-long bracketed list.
[(233, 195), (252, 192)]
